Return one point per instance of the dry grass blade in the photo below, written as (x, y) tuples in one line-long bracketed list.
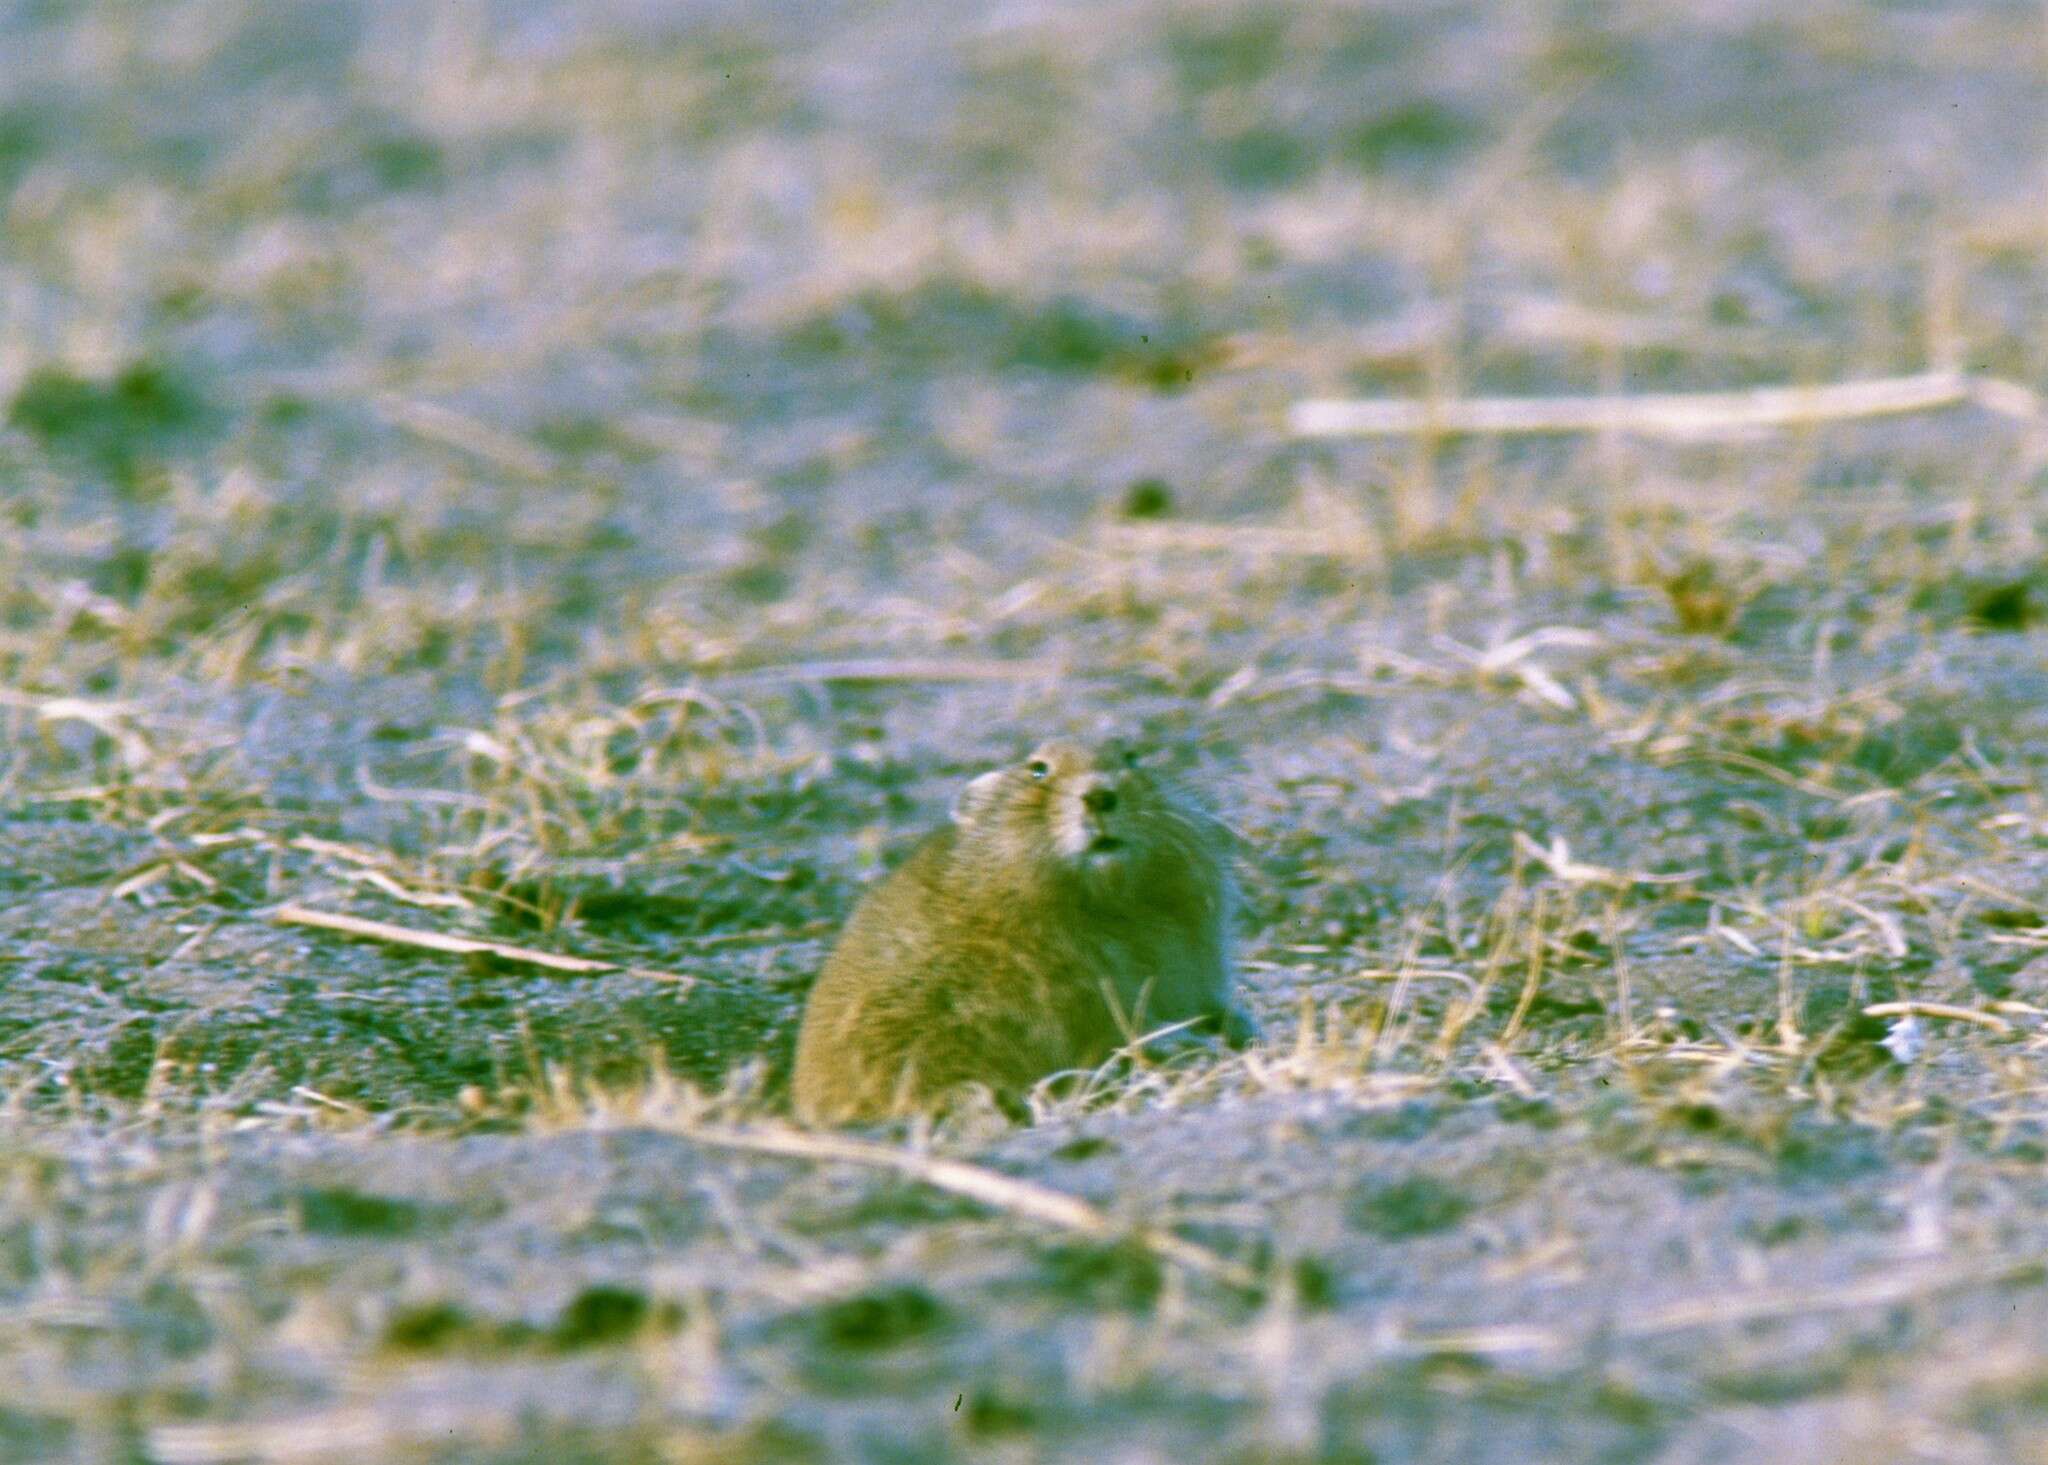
[(2008, 399), (112, 720), (1234, 539), (452, 429), (324, 1435), (1484, 1342), (1690, 415), (1557, 859), (298, 915), (1889, 1289), (1938, 1009), (1884, 1290), (988, 1187), (879, 669)]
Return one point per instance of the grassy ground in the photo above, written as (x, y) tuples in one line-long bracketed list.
[(446, 448)]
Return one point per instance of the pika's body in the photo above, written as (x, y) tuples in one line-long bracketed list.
[(1072, 904)]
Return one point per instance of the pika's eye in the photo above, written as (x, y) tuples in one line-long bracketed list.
[(1037, 768)]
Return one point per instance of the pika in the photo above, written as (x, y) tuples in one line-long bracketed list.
[(1073, 903)]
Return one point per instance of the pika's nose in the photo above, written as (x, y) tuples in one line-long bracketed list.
[(1099, 800)]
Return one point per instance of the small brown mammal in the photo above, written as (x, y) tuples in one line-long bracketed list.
[(1072, 903)]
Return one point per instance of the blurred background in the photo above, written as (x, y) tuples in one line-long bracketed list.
[(597, 476), (670, 318)]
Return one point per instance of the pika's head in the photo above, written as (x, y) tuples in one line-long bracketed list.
[(1093, 812)]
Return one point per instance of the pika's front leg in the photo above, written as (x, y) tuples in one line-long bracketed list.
[(1236, 1024), (1227, 1020)]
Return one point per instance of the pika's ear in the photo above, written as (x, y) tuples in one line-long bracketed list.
[(975, 796)]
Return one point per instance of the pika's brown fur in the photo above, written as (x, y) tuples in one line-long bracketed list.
[(1073, 903)]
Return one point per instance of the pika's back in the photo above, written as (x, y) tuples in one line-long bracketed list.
[(1074, 902)]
